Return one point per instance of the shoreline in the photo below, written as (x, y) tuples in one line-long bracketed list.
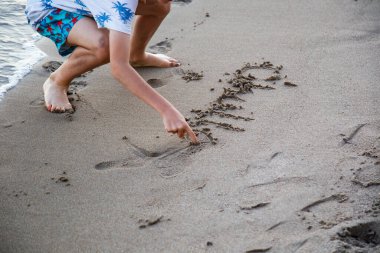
[(303, 173), (24, 67), (18, 53)]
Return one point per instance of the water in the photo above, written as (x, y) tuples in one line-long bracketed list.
[(17, 50)]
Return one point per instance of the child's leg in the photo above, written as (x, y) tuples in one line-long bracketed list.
[(148, 18), (92, 51)]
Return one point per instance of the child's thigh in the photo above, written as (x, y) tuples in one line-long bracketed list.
[(86, 34)]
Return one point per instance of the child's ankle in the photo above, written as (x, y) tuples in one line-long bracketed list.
[(137, 58), (54, 77)]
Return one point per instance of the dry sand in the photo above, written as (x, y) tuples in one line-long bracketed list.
[(303, 176)]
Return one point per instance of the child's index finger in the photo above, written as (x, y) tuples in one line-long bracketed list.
[(192, 135)]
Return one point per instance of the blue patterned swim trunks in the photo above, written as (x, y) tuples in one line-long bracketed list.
[(57, 26), (55, 18)]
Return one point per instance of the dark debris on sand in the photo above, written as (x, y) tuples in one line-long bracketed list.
[(259, 250), (290, 84), (192, 76), (52, 66), (144, 223), (254, 206), (62, 179)]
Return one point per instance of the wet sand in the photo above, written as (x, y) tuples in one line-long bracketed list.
[(284, 97)]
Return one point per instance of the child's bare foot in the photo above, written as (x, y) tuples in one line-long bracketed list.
[(155, 60), (56, 99)]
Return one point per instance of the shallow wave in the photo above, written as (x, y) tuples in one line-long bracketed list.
[(18, 52), (21, 67)]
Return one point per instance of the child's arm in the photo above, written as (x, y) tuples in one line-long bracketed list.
[(121, 69)]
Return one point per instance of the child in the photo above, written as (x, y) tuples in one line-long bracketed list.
[(77, 28)]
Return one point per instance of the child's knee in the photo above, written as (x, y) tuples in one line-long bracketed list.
[(164, 8), (102, 50), (158, 8)]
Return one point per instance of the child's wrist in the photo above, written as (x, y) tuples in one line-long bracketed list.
[(167, 109)]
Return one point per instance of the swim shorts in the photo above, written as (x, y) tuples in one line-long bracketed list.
[(57, 26), (61, 16)]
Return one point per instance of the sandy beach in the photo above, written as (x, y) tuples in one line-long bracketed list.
[(284, 95)]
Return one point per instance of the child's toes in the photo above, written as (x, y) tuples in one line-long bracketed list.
[(48, 107), (54, 109), (57, 109), (174, 64), (62, 109)]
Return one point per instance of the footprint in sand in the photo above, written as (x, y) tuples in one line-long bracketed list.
[(162, 47), (172, 162), (275, 159), (169, 161), (76, 86), (120, 164), (361, 236), (362, 140), (326, 212), (156, 83), (52, 66), (367, 176), (137, 158)]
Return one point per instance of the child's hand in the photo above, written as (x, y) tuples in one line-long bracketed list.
[(175, 123)]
